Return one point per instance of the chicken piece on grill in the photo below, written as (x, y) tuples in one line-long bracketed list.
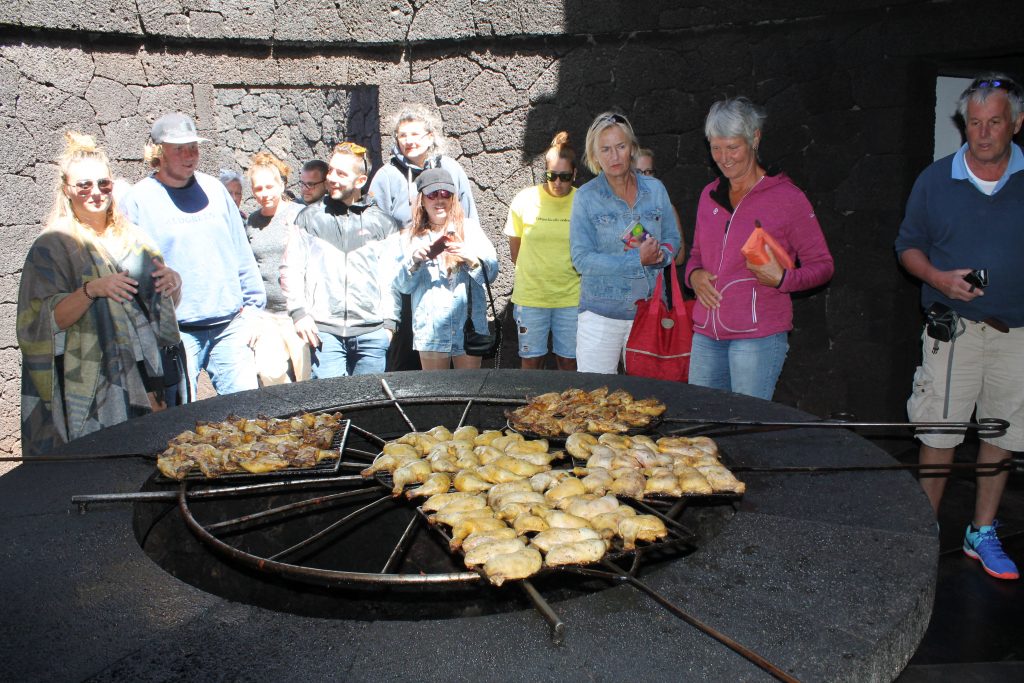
[(175, 463), (649, 458), (546, 401), (438, 501), (527, 523), (518, 565), (485, 551), (546, 540), (703, 443), (579, 445), (503, 442), (498, 490), (262, 461), (601, 456), (512, 511), (327, 454), (496, 475), (580, 552), (466, 433), (486, 437), (388, 463), (403, 449), (540, 459), (445, 465), (185, 437), (590, 508), (648, 406), (641, 528), (629, 483), (441, 433), (607, 524), (415, 472), (473, 540), (487, 454), (557, 519), (471, 526), (572, 425), (452, 518), (663, 484), (616, 441), (644, 441), (624, 460), (213, 461), (721, 479), (691, 481), (570, 486), (421, 441), (469, 480), (529, 445), (542, 481), (598, 480), (467, 461), (606, 425), (435, 483), (563, 503), (520, 468), (303, 456), (509, 497)]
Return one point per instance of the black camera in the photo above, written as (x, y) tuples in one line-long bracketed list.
[(943, 322), (977, 278)]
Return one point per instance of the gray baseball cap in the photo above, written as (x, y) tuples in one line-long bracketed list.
[(175, 128)]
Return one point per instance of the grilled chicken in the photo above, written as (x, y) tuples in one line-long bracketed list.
[(518, 565)]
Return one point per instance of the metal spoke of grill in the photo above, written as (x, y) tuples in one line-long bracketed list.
[(398, 406), (282, 510), (554, 621), (401, 546), (326, 531)]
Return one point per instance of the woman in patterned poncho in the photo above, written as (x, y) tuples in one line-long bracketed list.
[(95, 308)]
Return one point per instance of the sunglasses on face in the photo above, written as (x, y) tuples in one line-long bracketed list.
[(443, 194), (552, 176), (310, 186), (646, 171), (104, 185)]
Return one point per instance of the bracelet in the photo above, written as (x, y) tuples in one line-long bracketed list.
[(85, 291)]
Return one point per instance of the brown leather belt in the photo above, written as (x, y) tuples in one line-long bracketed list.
[(996, 324)]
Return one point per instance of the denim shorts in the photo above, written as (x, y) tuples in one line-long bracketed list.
[(535, 324)]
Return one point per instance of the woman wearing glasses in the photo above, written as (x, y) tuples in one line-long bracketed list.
[(274, 341), (645, 166), (95, 307), (743, 312), (547, 288), (623, 230), (445, 258)]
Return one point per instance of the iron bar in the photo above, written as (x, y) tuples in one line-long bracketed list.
[(929, 468), (736, 647), (330, 528), (73, 458), (398, 406), (285, 509), (465, 413), (361, 453), (400, 547), (989, 427), (328, 577), (542, 606), (368, 435)]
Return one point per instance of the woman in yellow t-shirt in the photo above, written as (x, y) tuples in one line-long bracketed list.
[(547, 287)]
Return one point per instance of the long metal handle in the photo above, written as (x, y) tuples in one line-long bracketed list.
[(989, 426)]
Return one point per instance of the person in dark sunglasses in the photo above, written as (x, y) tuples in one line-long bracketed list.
[(547, 288), (645, 166), (966, 212), (442, 260), (95, 307)]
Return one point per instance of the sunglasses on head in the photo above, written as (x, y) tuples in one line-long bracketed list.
[(998, 84), (351, 148), (616, 118), (552, 176), (443, 194), (104, 185)]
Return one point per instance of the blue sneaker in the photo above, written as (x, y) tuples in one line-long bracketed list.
[(983, 545)]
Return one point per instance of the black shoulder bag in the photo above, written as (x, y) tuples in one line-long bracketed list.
[(476, 344)]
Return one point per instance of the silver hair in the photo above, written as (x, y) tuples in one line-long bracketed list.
[(227, 175), (983, 86), (603, 121), (736, 117), (430, 120)]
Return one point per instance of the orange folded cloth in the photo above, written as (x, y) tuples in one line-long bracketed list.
[(754, 248)]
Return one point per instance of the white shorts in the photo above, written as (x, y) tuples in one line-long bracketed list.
[(987, 374)]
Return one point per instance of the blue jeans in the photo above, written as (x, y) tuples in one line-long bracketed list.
[(344, 356), (223, 351), (743, 366), (534, 324)]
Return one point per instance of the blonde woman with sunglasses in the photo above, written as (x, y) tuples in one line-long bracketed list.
[(95, 307)]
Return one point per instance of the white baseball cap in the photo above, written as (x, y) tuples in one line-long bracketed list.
[(175, 128)]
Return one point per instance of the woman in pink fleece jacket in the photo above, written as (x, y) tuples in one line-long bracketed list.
[(743, 312)]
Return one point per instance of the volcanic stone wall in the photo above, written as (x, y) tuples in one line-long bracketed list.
[(849, 94)]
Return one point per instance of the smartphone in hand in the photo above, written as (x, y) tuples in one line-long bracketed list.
[(437, 247)]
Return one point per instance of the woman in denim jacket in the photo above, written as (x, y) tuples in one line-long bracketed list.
[(623, 230), (444, 255)]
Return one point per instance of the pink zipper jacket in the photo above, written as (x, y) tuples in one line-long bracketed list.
[(751, 310)]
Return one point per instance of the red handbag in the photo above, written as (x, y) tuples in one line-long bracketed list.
[(659, 342)]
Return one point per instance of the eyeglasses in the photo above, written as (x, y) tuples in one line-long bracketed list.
[(443, 194), (1004, 84), (104, 185), (552, 176), (615, 118), (645, 171), (310, 186)]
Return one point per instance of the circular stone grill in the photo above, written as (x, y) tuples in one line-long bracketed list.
[(806, 578)]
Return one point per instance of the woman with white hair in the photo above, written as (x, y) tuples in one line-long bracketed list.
[(95, 308), (622, 232), (743, 312)]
